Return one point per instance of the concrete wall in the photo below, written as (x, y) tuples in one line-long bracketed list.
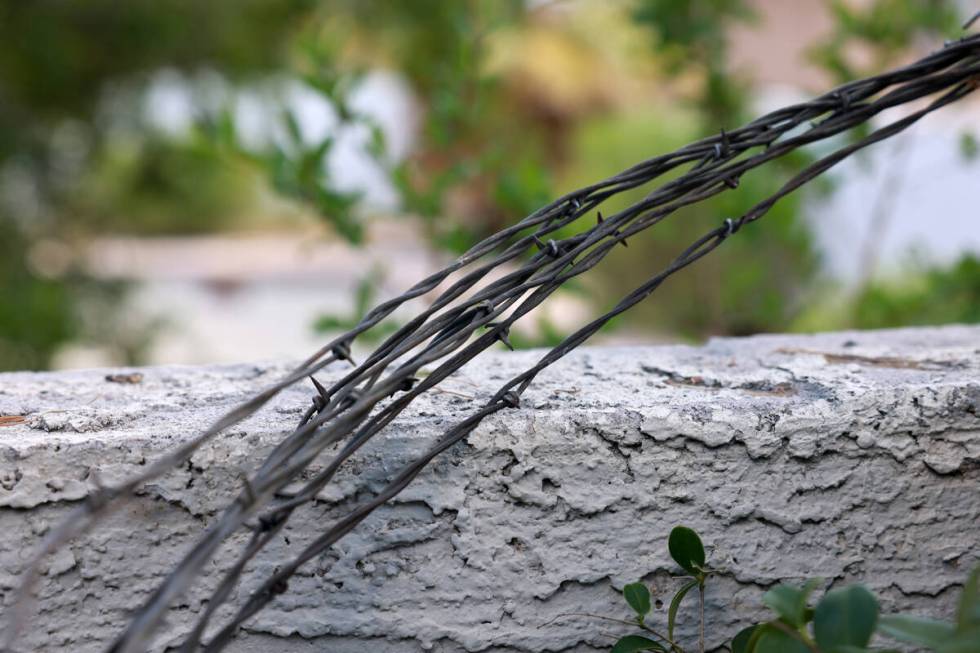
[(851, 456)]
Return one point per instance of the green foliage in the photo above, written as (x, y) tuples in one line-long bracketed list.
[(47, 301), (969, 147), (770, 638), (71, 74), (916, 630), (686, 549), (968, 610), (159, 186), (638, 597), (740, 643), (790, 602), (884, 28), (675, 604), (921, 295), (488, 150), (473, 145), (845, 617), (59, 54), (694, 35), (844, 620), (755, 283), (36, 314), (936, 295), (85, 64)]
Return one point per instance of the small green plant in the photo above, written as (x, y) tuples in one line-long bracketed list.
[(843, 620)]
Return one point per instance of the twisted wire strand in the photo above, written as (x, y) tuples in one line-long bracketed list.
[(508, 395), (277, 583)]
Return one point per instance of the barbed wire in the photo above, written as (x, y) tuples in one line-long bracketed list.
[(471, 315)]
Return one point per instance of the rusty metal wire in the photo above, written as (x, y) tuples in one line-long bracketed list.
[(471, 315)]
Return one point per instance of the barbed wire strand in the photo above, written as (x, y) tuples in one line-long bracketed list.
[(508, 395), (430, 380), (445, 329), (318, 483)]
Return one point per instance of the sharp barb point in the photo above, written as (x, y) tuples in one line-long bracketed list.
[(320, 389)]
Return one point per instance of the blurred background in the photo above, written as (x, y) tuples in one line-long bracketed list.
[(192, 182)]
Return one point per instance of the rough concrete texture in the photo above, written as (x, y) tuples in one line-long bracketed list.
[(849, 456)]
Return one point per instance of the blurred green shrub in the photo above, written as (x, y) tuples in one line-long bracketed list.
[(757, 282), (870, 36), (159, 186), (693, 36), (36, 314), (75, 160), (515, 104), (934, 295)]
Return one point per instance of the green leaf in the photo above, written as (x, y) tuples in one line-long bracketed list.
[(845, 617), (686, 549), (638, 597), (740, 643), (962, 642), (774, 640), (676, 603), (968, 610), (915, 630), (376, 146), (632, 643), (969, 147), (789, 602), (292, 127)]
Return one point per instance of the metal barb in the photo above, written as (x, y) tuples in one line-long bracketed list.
[(341, 351), (408, 383), (726, 147), (730, 227), (269, 522), (322, 397), (249, 490), (279, 587), (503, 333)]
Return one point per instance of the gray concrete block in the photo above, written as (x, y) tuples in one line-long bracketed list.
[(849, 456)]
